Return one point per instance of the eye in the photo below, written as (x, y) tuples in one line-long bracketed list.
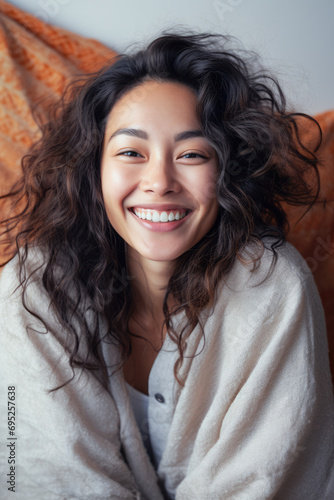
[(193, 155), (130, 153)]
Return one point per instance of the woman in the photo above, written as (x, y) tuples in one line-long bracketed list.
[(162, 340)]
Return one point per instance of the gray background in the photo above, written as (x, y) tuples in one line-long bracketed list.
[(295, 38)]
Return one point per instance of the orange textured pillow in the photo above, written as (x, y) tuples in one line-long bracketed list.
[(38, 59)]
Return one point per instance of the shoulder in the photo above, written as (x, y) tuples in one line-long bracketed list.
[(26, 308), (24, 278), (273, 313), (24, 302), (27, 325), (285, 268), (278, 291), (13, 276), (31, 328)]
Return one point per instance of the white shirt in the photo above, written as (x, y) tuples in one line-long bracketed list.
[(154, 413)]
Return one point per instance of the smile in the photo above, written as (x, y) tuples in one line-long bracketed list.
[(160, 216)]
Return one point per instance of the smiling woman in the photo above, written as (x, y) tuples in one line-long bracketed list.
[(172, 343)]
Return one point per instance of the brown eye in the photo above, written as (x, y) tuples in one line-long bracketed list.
[(193, 155), (129, 153)]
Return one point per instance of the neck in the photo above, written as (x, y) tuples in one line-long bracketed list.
[(149, 286)]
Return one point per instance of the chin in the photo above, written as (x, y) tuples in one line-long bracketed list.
[(162, 255), (165, 257)]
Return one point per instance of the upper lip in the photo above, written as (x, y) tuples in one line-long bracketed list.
[(160, 207)]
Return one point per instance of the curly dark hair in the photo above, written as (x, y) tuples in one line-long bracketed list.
[(59, 205)]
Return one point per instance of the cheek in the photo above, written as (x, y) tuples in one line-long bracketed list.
[(117, 184), (205, 188)]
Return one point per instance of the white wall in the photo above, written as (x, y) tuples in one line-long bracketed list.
[(294, 37)]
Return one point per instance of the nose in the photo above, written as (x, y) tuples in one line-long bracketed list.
[(159, 176)]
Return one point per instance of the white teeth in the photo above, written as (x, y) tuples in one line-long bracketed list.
[(160, 217)]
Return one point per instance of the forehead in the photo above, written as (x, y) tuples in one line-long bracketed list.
[(155, 101)]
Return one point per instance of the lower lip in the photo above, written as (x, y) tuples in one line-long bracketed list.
[(161, 227)]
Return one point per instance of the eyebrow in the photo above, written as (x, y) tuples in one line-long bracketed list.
[(134, 132)]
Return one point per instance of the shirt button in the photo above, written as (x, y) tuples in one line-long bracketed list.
[(159, 398)]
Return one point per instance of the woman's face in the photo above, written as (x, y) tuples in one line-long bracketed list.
[(158, 172)]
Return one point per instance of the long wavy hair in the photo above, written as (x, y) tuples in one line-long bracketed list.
[(59, 207)]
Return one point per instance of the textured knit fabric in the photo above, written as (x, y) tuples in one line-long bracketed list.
[(253, 421)]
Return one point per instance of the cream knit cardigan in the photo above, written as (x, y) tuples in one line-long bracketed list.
[(254, 421)]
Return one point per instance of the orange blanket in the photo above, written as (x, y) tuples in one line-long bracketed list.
[(38, 59)]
